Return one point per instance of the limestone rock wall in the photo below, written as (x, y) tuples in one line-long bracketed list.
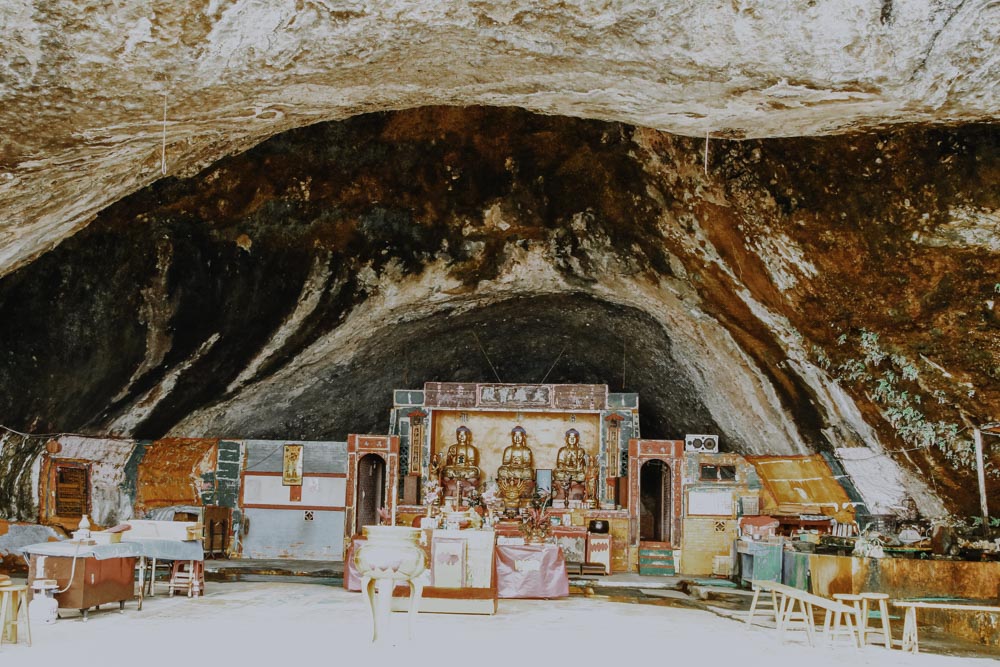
[(793, 295)]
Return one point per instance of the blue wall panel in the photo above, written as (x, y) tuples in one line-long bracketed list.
[(286, 534)]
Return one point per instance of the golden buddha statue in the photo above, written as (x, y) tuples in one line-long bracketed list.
[(569, 477), (460, 469), (516, 474)]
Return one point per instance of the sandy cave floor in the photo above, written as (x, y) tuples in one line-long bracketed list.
[(267, 623)]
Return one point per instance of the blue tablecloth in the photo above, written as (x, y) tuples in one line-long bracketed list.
[(168, 549), (135, 547), (69, 549)]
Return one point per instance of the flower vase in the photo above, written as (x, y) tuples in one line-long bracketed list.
[(535, 536)]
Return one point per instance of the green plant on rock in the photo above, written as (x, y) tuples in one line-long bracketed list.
[(882, 372), (977, 521)]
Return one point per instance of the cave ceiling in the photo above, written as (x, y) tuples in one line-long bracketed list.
[(775, 223), (99, 99)]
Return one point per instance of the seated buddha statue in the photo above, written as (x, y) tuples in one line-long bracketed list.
[(459, 471), (569, 478), (516, 474)]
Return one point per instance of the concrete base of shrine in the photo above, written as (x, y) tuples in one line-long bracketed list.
[(260, 623)]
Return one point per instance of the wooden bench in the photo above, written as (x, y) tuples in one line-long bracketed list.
[(839, 618), (760, 586), (910, 642)]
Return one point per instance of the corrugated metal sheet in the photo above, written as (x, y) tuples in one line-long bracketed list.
[(802, 485), (317, 457), (171, 472)]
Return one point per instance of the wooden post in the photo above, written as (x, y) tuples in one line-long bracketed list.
[(978, 437)]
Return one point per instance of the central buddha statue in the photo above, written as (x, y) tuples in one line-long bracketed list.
[(460, 469), (570, 474), (516, 474)]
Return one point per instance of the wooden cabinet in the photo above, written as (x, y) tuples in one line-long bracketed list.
[(218, 523), (94, 582)]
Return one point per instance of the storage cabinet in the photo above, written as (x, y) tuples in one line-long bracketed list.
[(94, 582)]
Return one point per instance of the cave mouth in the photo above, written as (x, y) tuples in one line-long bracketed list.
[(572, 338), (506, 245)]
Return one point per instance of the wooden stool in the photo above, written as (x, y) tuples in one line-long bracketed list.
[(869, 601), (151, 581), (14, 612), (837, 624), (862, 603), (188, 575), (753, 605), (787, 617)]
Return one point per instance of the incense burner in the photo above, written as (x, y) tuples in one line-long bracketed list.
[(389, 555)]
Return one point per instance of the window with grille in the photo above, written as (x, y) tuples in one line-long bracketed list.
[(71, 490)]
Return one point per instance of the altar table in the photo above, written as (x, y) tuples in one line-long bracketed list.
[(475, 592), (531, 571)]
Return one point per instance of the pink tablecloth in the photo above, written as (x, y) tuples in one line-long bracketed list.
[(352, 578), (531, 571)]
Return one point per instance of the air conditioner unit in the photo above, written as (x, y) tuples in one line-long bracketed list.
[(707, 444)]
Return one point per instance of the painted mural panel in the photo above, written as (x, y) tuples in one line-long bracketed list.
[(291, 466), (546, 433)]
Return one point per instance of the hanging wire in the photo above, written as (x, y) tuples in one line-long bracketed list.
[(706, 151), (558, 357), (492, 367), (163, 149), (623, 365), (48, 435)]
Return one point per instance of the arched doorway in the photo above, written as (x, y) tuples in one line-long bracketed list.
[(654, 501), (371, 491)]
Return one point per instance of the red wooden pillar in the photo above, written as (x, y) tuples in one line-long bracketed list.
[(385, 447), (670, 452)]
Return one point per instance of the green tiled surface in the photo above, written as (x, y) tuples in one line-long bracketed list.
[(656, 562)]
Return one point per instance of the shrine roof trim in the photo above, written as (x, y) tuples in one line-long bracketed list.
[(513, 396)]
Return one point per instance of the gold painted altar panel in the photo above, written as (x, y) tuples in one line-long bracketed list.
[(491, 434)]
